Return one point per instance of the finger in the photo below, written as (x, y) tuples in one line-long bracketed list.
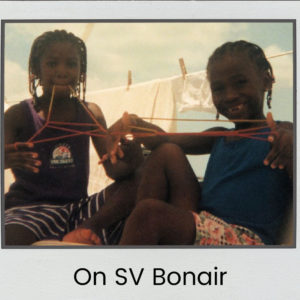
[(271, 123), (28, 157), (126, 119), (31, 168), (120, 152), (270, 157), (115, 145), (24, 161), (103, 159), (21, 156), (18, 146), (278, 158), (113, 159), (113, 152), (279, 161), (267, 160), (24, 146), (282, 161), (24, 155), (275, 163), (274, 151), (271, 138)]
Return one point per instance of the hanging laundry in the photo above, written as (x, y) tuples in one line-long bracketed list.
[(151, 99), (196, 94)]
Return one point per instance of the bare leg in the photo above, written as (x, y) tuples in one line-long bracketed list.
[(17, 235), (120, 199), (168, 176), (154, 222)]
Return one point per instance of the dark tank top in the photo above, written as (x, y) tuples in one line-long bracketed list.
[(64, 172), (241, 190)]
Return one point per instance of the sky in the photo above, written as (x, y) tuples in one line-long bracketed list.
[(151, 50)]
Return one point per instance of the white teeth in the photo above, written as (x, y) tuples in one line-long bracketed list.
[(235, 108)]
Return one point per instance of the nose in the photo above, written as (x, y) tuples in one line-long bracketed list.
[(231, 94), (61, 71)]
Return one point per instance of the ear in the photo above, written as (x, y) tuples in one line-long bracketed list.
[(32, 77), (268, 81)]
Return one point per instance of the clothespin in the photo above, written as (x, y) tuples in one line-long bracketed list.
[(182, 67), (129, 80)]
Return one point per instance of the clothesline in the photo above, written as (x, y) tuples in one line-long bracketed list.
[(174, 76), (280, 54)]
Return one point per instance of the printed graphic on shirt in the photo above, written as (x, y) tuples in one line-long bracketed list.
[(61, 156)]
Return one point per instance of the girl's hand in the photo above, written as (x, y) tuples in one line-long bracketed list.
[(82, 236), (118, 132), (114, 150), (281, 153), (18, 155)]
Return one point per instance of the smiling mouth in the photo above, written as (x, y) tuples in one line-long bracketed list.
[(235, 109)]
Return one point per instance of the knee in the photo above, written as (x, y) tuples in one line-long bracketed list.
[(149, 212), (168, 150)]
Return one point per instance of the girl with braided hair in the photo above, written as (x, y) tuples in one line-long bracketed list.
[(51, 165), (248, 182)]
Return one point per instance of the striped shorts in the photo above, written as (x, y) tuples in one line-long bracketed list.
[(48, 221), (211, 230)]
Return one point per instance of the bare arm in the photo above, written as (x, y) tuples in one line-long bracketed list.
[(131, 152), (18, 154), (196, 144), (189, 143)]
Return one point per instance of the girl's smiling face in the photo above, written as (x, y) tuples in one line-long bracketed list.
[(238, 87), (59, 66)]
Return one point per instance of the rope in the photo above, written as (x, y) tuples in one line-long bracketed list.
[(100, 131), (250, 133), (205, 120), (48, 124)]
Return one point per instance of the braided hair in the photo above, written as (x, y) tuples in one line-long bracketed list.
[(39, 47), (255, 54)]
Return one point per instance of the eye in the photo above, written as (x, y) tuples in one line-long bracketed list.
[(241, 82), (217, 89), (51, 63), (72, 64)]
